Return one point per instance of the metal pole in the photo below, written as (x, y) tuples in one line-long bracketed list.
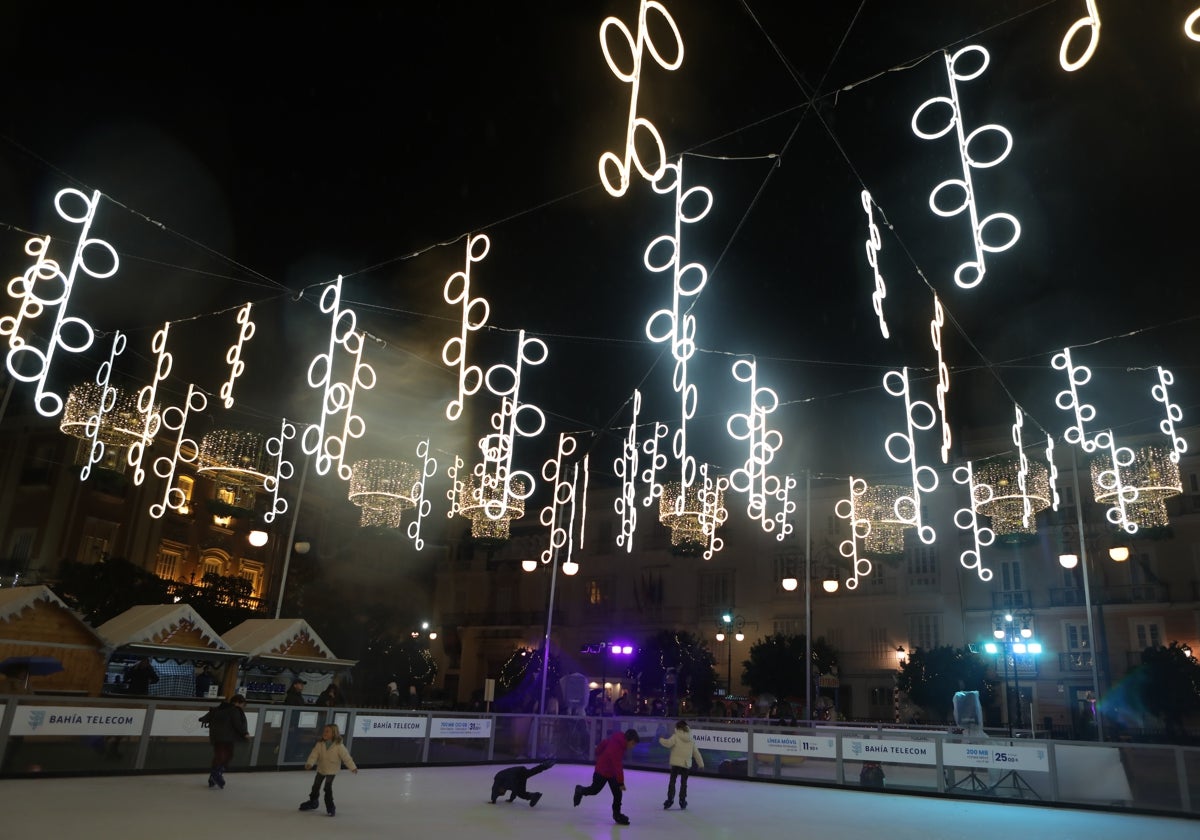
[(1007, 696), (808, 666), (729, 666), (291, 541), (1087, 598), (1017, 690), (546, 642)]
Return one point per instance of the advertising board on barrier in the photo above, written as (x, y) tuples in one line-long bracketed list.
[(900, 752), (460, 728), (773, 743), (78, 720), (721, 739), (380, 726), (185, 722), (1030, 759)]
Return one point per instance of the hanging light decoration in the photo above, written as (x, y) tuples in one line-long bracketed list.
[(474, 499), (234, 457), (694, 518), (383, 489), (1148, 482), (121, 425), (878, 506), (1007, 505)]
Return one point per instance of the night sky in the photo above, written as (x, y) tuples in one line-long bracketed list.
[(256, 151)]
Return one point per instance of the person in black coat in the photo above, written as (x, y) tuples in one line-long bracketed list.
[(295, 694), (226, 723), (140, 676), (513, 779)]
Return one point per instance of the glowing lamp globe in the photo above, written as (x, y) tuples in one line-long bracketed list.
[(790, 584), (257, 538)]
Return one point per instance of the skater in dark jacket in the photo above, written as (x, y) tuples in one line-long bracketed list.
[(328, 756), (226, 724), (610, 770), (513, 779)]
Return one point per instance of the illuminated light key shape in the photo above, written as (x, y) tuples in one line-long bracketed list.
[(1068, 399), (284, 470), (1174, 413), (860, 529), (511, 421), (658, 463), (752, 477), (424, 506), (873, 245), (108, 400), (72, 334), (147, 396), (1091, 22), (1110, 479), (967, 519), (610, 161), (562, 496), (454, 353), (943, 386), (233, 356), (186, 451), (925, 480), (712, 513), (1023, 465), (969, 274), (456, 487), (675, 325), (1055, 499), (338, 397), (625, 466)]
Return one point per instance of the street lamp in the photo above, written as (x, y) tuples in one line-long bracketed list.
[(730, 624), (1013, 638)]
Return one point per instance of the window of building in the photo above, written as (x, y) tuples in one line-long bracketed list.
[(879, 643), (1075, 636), (1146, 633), (169, 562), (99, 538), (594, 592), (212, 564), (1066, 504), (714, 592), (186, 484), (786, 565), (925, 631), (252, 573), (922, 566), (881, 695), (20, 550), (788, 626)]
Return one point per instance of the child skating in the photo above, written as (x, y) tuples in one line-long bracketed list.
[(513, 779), (683, 751), (610, 770), (328, 756)]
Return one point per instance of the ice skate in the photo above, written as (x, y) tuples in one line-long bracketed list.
[(309, 805)]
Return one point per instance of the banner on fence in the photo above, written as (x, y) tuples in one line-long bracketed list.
[(900, 752), (774, 743), (1005, 758), (380, 726), (461, 728), (78, 720)]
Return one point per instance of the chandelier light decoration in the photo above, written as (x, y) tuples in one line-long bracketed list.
[(625, 467), (234, 457), (695, 513), (284, 470), (428, 469), (473, 502), (1090, 21), (338, 397), (969, 274), (1010, 501), (1068, 400), (559, 516), (1138, 486), (851, 509), (1174, 413), (752, 477), (233, 356), (676, 325), (101, 413), (657, 463), (147, 397), (383, 489), (175, 418), (874, 243), (637, 47), (44, 285), (901, 447), (967, 519), (475, 311), (888, 509), (943, 386)]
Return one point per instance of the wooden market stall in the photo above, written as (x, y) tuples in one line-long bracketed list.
[(35, 623), (277, 649)]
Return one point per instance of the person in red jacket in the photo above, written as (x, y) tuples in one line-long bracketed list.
[(610, 770)]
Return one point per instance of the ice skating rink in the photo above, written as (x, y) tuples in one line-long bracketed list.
[(449, 803)]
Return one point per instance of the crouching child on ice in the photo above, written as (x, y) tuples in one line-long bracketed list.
[(514, 779)]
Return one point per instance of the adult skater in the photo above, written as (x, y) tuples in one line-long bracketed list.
[(683, 751), (610, 770), (513, 779)]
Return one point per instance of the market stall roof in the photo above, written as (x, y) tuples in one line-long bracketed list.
[(288, 642), (17, 599), (165, 630)]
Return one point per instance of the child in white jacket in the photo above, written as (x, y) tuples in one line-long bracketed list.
[(328, 755), (683, 751)]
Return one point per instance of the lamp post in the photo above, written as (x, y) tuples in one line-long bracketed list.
[(1013, 638), (730, 624)]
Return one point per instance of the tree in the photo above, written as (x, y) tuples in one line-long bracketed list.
[(1166, 685), (105, 589), (674, 664), (931, 677), (519, 687), (776, 665)]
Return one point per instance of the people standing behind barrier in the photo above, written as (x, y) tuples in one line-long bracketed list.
[(393, 695), (140, 676), (226, 724), (295, 694), (204, 681), (328, 756), (622, 706), (610, 770), (331, 696), (683, 752)]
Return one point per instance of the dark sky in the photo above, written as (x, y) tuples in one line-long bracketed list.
[(251, 151)]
